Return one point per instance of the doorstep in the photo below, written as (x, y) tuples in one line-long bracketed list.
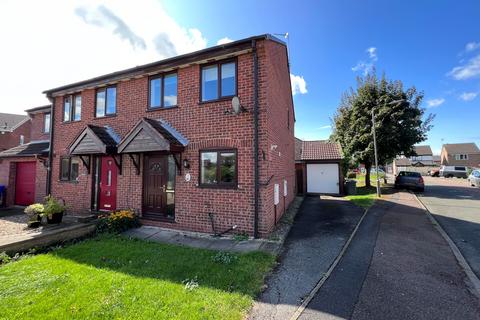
[(202, 241)]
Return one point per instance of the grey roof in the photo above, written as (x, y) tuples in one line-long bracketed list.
[(403, 162), (27, 150), (9, 121), (172, 62), (423, 150), (39, 109), (167, 131), (461, 148)]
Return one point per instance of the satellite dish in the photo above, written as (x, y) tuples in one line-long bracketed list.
[(237, 108)]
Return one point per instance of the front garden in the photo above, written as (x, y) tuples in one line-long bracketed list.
[(111, 276)]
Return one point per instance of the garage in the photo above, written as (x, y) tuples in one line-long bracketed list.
[(323, 178), (318, 167), (25, 183)]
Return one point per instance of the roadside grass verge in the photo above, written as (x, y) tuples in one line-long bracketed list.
[(364, 198), (115, 277)]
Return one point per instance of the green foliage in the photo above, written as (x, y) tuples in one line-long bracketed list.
[(240, 236), (53, 206), (400, 122), (117, 221), (224, 257), (4, 258), (113, 277), (34, 209), (351, 175)]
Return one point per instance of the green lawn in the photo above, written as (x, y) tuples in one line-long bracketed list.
[(365, 197), (114, 277)]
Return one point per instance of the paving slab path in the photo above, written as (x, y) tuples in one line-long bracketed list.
[(397, 267), (318, 234)]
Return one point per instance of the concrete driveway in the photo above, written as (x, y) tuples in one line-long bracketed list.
[(456, 206)]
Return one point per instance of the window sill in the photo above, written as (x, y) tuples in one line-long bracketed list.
[(68, 181), (161, 108), (232, 187), (217, 100), (68, 122), (106, 116)]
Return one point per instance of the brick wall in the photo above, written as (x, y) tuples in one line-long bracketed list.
[(205, 125), (12, 139), (37, 131)]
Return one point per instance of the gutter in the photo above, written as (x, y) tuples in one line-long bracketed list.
[(255, 140), (50, 147)]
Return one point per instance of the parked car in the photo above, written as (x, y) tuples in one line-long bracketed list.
[(409, 180), (453, 171), (434, 172), (474, 178)]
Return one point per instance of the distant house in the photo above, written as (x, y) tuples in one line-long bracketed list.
[(422, 162), (318, 167), (460, 154), (23, 167), (14, 130)]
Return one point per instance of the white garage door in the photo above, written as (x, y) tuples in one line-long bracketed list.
[(322, 178)]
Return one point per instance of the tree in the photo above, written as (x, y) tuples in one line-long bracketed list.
[(400, 121)]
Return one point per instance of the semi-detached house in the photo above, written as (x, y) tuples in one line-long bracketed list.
[(164, 140)]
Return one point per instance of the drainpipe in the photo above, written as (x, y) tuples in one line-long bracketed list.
[(255, 141), (50, 148)]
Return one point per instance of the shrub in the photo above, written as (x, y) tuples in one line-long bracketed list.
[(34, 209), (53, 206), (4, 258), (117, 221)]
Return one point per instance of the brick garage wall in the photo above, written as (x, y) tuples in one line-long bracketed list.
[(8, 170), (37, 131), (206, 126), (12, 139)]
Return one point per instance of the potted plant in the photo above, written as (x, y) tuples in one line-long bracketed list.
[(54, 210), (34, 212)]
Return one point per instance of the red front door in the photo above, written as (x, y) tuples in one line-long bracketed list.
[(107, 197), (25, 183)]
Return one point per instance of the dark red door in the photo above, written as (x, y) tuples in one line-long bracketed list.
[(107, 197), (155, 183), (25, 183)]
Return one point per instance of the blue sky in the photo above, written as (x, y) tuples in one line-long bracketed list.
[(418, 42), (434, 45)]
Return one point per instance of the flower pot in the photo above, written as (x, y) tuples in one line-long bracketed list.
[(55, 218), (35, 221)]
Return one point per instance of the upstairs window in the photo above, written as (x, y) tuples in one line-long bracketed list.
[(69, 169), (163, 91), (72, 108), (219, 81), (218, 168), (46, 123), (461, 157), (106, 102)]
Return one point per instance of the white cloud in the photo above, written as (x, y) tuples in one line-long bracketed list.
[(471, 46), (366, 66), (75, 40), (468, 96), (469, 70), (372, 53), (298, 84), (324, 127), (224, 41), (432, 103)]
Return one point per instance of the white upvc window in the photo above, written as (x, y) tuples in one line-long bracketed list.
[(461, 156)]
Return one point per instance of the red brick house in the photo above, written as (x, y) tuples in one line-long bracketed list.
[(164, 139), (14, 130), (23, 168)]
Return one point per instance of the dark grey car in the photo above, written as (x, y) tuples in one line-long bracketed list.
[(409, 180)]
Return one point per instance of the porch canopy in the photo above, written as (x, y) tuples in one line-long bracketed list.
[(95, 140), (150, 135)]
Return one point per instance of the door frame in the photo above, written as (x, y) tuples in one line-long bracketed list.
[(97, 175), (146, 156)]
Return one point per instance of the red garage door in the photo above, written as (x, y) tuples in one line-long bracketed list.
[(25, 183)]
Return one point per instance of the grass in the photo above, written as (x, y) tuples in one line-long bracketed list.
[(365, 197), (113, 277)]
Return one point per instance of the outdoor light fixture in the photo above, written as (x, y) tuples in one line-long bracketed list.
[(186, 163)]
